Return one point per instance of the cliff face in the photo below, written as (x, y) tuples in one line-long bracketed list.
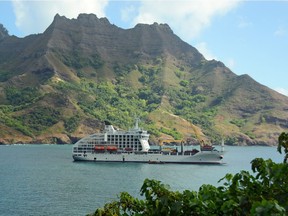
[(59, 86)]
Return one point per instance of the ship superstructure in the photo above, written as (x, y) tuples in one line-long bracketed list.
[(112, 141)]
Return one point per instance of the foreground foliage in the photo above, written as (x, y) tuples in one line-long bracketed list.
[(283, 143), (262, 193)]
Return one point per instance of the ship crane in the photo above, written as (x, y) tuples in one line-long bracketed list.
[(203, 145)]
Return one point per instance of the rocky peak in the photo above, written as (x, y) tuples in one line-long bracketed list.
[(85, 20), (58, 18), (155, 26), (92, 19)]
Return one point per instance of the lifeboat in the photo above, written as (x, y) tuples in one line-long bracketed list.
[(99, 148), (111, 148)]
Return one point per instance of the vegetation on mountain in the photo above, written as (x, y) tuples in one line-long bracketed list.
[(17, 97), (264, 192), (67, 81)]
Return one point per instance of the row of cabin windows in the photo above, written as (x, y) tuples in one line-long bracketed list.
[(126, 137), (115, 139)]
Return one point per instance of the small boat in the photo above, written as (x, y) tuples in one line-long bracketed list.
[(132, 145)]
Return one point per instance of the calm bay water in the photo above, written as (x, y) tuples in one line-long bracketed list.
[(44, 180)]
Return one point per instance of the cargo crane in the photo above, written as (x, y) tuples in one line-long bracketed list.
[(204, 146)]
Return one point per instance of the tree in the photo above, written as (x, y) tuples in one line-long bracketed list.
[(283, 143)]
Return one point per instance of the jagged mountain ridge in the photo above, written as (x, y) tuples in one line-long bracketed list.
[(106, 39), (151, 57)]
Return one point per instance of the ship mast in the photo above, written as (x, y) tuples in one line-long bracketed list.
[(136, 123)]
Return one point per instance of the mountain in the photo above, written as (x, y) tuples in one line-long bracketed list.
[(61, 85)]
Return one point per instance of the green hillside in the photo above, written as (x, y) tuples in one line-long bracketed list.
[(61, 85)]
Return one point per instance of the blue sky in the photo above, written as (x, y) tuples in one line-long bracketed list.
[(249, 37)]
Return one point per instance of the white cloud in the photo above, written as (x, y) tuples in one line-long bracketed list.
[(282, 91), (187, 18), (36, 16), (203, 49)]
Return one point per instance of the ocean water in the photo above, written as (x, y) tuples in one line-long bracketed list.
[(44, 180)]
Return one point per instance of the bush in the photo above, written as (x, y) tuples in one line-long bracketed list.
[(41, 118), (184, 83), (72, 123)]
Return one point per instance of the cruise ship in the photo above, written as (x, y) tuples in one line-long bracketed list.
[(113, 145)]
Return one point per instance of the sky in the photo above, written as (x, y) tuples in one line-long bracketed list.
[(249, 37)]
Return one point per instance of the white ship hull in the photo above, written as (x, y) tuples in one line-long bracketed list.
[(209, 157)]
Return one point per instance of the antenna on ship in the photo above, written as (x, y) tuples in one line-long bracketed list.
[(136, 122), (222, 145), (137, 119)]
